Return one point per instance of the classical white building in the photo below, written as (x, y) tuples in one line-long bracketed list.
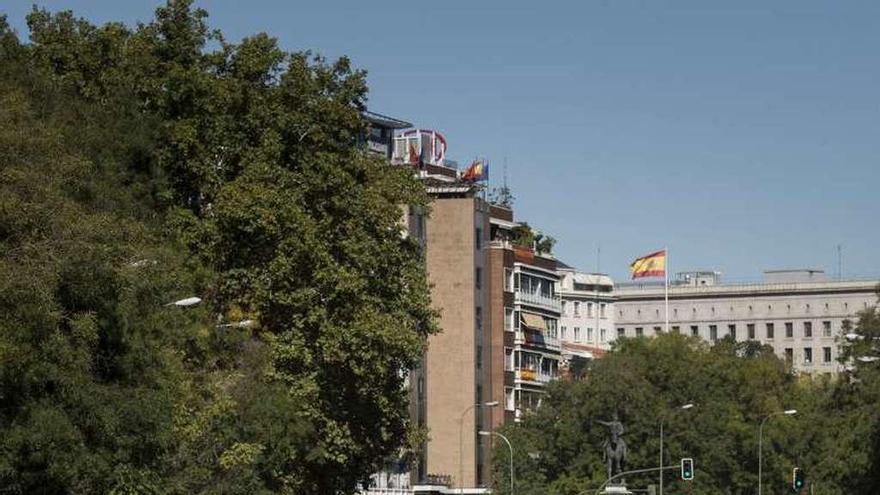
[(799, 313), (586, 326)]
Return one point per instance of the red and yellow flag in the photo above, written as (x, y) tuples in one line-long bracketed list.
[(650, 265)]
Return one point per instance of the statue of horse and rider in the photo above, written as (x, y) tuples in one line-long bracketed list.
[(614, 446)]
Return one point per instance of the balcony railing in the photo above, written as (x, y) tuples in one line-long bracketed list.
[(553, 303), (537, 339), (534, 376)]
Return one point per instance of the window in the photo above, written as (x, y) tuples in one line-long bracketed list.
[(602, 310), (826, 329), (640, 332), (789, 354), (750, 328), (589, 334), (478, 277), (789, 330), (808, 330), (826, 354), (589, 309), (713, 332), (508, 359), (577, 308), (808, 355), (577, 334), (602, 337), (676, 329), (479, 356), (508, 319), (770, 331), (731, 330), (621, 333), (695, 331), (509, 400), (658, 330), (478, 232), (564, 307), (508, 280), (478, 316), (564, 333)]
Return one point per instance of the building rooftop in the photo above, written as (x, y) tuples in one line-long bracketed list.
[(385, 121)]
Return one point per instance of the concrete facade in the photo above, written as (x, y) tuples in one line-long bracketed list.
[(801, 318), (587, 322)]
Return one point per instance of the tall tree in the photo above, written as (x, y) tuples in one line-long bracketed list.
[(233, 174)]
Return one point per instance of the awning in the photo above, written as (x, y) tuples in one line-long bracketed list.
[(534, 322)]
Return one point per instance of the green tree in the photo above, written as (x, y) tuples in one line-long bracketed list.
[(154, 169)]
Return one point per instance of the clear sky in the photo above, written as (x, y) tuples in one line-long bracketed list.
[(742, 135)]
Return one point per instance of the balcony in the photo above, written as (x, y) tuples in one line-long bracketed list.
[(552, 303), (534, 376), (538, 339)]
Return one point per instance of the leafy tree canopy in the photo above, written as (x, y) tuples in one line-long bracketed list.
[(138, 166)]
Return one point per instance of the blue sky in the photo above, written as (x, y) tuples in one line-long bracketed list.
[(742, 135)]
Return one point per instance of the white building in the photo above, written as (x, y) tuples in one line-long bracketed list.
[(586, 326), (799, 313)]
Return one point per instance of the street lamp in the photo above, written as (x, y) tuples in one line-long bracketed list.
[(509, 446), (684, 407), (787, 412), (461, 440)]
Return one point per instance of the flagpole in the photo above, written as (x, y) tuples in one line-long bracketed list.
[(666, 286)]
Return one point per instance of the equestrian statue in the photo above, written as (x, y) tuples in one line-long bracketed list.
[(614, 446)]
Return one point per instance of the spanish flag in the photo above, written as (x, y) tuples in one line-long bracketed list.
[(479, 170), (650, 265)]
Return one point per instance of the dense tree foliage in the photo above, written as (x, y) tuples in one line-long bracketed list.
[(833, 437), (139, 167)]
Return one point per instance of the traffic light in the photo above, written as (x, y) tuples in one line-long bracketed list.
[(687, 469), (798, 480)]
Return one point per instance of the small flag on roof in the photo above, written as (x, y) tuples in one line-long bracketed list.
[(479, 170)]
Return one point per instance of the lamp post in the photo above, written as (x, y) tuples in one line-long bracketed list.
[(509, 446), (683, 407), (787, 412), (461, 440)]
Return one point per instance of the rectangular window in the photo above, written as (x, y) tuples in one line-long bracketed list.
[(808, 330), (589, 309), (563, 333), (770, 331), (789, 354), (640, 332), (713, 332), (508, 280), (602, 337), (478, 277), (589, 334), (621, 333), (826, 329), (577, 334), (577, 308), (478, 317), (478, 242), (789, 330), (602, 310), (564, 308), (676, 329), (808, 355), (731, 330), (509, 399), (826, 354), (508, 359), (508, 320), (479, 356), (658, 330), (695, 331), (750, 328)]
